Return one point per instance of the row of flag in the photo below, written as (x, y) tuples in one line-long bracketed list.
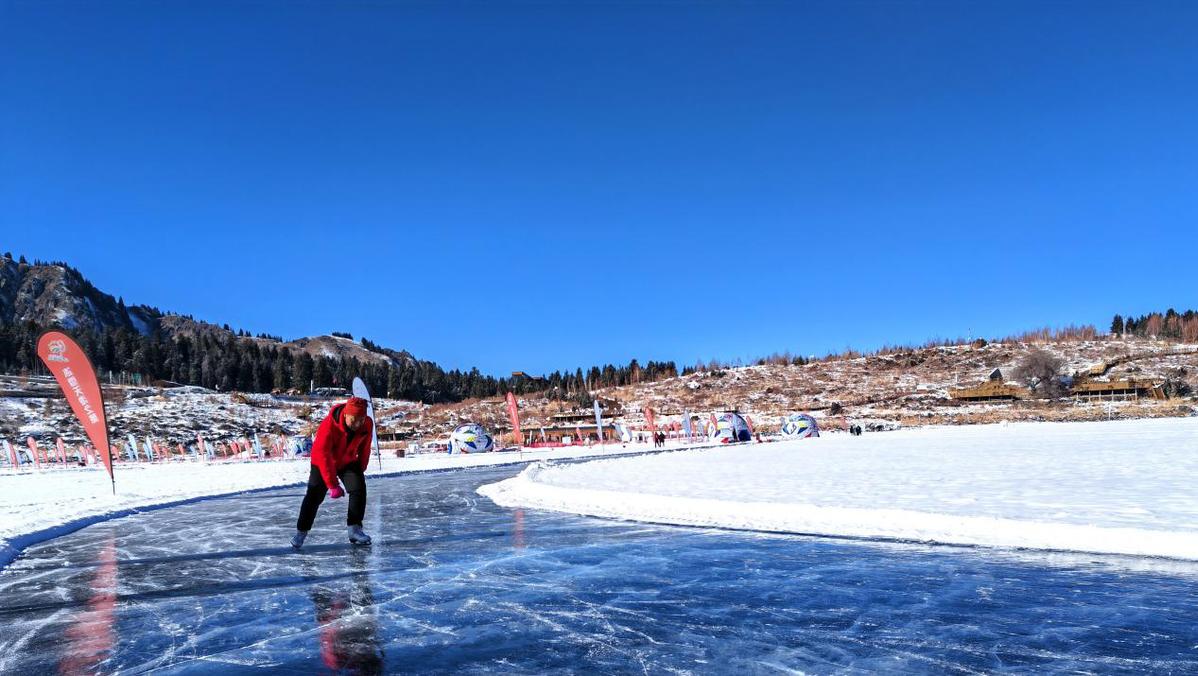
[(276, 446)]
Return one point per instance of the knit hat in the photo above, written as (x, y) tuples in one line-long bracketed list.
[(355, 406)]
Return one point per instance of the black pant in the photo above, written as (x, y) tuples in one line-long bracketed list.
[(354, 484)]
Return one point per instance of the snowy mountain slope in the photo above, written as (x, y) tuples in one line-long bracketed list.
[(52, 294), (56, 294)]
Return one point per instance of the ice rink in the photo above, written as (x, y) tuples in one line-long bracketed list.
[(456, 584)]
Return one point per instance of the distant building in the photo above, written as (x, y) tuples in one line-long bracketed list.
[(1118, 390), (521, 375), (567, 435), (994, 389)]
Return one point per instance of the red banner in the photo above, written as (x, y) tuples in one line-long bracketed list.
[(75, 375), (34, 452), (62, 451), (649, 419), (513, 412)]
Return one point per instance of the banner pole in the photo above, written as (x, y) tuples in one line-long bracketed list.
[(107, 434)]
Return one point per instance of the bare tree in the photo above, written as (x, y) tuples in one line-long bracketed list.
[(1155, 324), (1041, 372), (1189, 330)]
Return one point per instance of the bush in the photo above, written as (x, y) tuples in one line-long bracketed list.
[(1041, 372)]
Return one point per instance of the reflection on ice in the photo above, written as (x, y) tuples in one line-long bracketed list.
[(91, 636), (454, 584), (518, 528), (348, 623)]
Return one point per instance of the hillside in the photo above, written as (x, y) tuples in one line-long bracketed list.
[(884, 391), (880, 392), (54, 294), (893, 388)]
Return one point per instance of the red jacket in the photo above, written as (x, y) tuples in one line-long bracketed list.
[(334, 449)]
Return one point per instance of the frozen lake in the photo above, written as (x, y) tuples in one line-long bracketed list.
[(457, 584)]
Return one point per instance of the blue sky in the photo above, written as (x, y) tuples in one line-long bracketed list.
[(537, 186)]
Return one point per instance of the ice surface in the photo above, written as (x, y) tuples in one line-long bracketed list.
[(1124, 487), (456, 584)]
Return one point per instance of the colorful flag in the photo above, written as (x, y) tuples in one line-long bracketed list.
[(37, 462), (77, 378), (513, 412), (599, 420)]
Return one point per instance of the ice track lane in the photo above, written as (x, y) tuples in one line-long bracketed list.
[(455, 584)]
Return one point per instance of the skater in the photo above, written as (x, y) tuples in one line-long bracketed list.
[(341, 451)]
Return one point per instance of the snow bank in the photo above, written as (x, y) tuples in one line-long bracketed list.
[(1124, 487), (38, 505)]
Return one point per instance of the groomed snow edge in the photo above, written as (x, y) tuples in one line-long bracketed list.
[(1113, 488)]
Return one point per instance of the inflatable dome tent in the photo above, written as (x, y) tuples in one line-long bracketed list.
[(729, 428), (799, 426), (470, 438)]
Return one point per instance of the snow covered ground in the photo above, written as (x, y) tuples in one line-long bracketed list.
[(36, 505), (1123, 487)]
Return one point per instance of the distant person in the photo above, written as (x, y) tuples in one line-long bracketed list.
[(341, 451)]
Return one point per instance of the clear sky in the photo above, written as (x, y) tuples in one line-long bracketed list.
[(537, 186)]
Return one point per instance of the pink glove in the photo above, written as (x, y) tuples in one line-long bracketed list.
[(336, 492)]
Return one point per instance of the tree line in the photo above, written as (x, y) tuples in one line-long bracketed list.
[(1171, 325), (232, 361)]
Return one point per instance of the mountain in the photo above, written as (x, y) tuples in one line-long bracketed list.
[(55, 294), (139, 343)]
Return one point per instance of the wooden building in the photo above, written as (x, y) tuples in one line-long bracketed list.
[(568, 435), (1117, 390), (991, 390)]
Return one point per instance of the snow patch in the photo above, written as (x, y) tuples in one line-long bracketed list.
[(1122, 487)]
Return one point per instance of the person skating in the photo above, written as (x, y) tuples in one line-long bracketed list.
[(341, 451)]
